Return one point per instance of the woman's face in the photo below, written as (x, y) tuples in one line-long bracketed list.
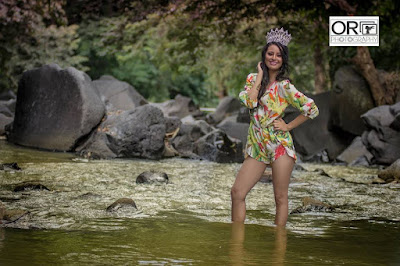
[(273, 58)]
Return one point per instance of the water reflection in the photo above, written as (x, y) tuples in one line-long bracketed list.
[(236, 248), (278, 255), (237, 251)]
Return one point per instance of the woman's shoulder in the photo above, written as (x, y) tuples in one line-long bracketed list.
[(284, 83)]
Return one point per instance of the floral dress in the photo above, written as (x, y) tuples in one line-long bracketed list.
[(264, 143)]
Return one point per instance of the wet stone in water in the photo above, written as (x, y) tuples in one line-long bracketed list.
[(312, 205), (30, 186), (9, 167), (152, 177), (125, 203)]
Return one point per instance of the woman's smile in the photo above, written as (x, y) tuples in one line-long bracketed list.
[(273, 58)]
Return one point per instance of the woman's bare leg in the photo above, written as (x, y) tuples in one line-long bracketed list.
[(249, 174), (281, 172)]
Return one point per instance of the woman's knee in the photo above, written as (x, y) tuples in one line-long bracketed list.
[(237, 193), (281, 199)]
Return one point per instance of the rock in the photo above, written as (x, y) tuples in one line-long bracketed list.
[(234, 129), (10, 167), (392, 173), (29, 186), (188, 134), (355, 152), (378, 117), (9, 104), (361, 161), (313, 140), (7, 95), (172, 123), (298, 167), (12, 216), (312, 205), (123, 203), (217, 146), (188, 119), (395, 111), (152, 177), (4, 121), (118, 95), (350, 99), (227, 106), (55, 108), (6, 111), (384, 145), (181, 106), (243, 115), (266, 176), (134, 133)]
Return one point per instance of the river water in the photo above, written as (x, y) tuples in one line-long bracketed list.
[(187, 221)]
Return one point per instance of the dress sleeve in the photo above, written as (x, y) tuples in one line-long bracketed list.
[(297, 99), (244, 96)]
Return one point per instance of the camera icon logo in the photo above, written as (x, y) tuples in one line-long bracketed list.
[(368, 27)]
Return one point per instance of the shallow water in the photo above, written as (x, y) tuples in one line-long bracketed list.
[(188, 220)]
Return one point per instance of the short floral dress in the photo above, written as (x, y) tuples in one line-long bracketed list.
[(264, 143)]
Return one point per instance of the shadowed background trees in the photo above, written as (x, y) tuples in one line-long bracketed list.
[(201, 49)]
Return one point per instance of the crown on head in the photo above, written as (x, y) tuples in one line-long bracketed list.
[(280, 36)]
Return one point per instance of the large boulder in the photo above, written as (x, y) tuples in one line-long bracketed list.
[(234, 129), (350, 99), (227, 106), (217, 146), (188, 134), (118, 95), (313, 137), (134, 133), (355, 153), (4, 120), (181, 106), (382, 138), (55, 108)]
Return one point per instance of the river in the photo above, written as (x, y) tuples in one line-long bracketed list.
[(187, 221)]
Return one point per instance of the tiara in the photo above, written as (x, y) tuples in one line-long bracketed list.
[(280, 36)]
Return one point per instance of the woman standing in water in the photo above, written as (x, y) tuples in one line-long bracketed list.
[(266, 95)]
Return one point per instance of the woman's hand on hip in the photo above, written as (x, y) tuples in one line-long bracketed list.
[(280, 124)]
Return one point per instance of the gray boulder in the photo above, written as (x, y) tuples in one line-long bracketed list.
[(382, 138), (7, 95), (118, 95), (181, 106), (353, 154), (188, 134), (235, 129), (217, 146), (4, 120), (134, 133), (243, 115), (350, 99), (152, 177), (227, 106), (55, 108), (313, 139)]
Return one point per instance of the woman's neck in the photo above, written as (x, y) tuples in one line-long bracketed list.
[(272, 75)]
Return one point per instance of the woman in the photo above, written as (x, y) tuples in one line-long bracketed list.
[(266, 95)]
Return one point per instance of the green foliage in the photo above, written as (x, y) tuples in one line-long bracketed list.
[(47, 45)]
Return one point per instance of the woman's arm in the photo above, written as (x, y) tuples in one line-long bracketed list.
[(253, 93), (280, 124)]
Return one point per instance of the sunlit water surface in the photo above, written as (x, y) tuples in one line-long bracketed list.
[(187, 221)]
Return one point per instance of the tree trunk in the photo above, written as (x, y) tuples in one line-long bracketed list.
[(364, 62), (320, 80)]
